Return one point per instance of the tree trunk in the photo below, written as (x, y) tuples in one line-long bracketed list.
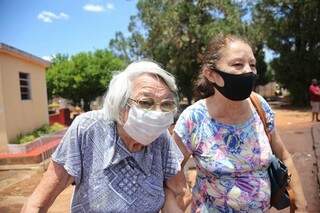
[(86, 106), (189, 98)]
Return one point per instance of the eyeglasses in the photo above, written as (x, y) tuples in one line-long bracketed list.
[(149, 104)]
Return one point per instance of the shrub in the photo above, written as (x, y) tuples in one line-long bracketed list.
[(55, 127), (27, 138), (44, 130)]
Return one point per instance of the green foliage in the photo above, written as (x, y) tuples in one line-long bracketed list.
[(82, 76), (292, 29), (44, 130), (175, 33), (55, 128), (264, 76), (24, 139)]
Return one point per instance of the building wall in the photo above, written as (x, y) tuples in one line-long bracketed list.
[(3, 132), (23, 116)]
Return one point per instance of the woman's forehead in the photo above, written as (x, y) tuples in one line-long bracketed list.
[(150, 86), (238, 49)]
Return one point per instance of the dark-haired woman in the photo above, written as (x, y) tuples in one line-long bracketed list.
[(226, 137)]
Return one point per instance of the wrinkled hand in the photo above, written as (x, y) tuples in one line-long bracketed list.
[(184, 199), (30, 209)]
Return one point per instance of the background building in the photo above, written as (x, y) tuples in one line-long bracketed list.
[(23, 93)]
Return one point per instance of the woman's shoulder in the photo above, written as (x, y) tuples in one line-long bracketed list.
[(194, 110), (91, 119), (265, 105)]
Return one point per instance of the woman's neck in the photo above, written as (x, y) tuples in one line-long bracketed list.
[(228, 111)]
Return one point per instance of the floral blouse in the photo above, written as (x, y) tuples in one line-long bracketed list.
[(231, 160)]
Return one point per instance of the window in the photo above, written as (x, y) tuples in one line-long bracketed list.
[(25, 86)]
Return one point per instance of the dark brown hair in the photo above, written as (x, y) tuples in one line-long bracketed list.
[(205, 88)]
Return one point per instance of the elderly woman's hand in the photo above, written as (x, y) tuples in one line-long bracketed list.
[(180, 190), (184, 199), (30, 209), (171, 205), (54, 181)]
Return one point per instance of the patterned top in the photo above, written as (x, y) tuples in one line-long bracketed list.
[(231, 160), (108, 177)]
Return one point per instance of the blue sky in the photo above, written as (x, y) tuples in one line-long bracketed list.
[(48, 27)]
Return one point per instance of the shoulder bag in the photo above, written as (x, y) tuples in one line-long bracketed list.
[(278, 172)]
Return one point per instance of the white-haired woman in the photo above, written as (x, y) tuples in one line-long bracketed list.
[(120, 157)]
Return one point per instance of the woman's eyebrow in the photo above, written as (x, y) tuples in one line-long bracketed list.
[(151, 95), (236, 60)]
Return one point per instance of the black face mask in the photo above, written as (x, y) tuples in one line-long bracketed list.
[(236, 87)]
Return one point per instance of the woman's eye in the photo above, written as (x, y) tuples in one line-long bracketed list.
[(252, 65), (237, 65), (145, 103)]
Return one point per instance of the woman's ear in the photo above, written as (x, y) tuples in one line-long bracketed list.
[(213, 77), (123, 115), (208, 73)]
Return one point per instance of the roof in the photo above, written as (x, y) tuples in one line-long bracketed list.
[(5, 48)]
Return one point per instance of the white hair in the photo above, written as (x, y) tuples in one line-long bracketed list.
[(120, 86)]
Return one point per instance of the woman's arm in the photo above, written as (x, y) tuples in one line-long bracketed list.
[(282, 153), (178, 184), (53, 182), (170, 204)]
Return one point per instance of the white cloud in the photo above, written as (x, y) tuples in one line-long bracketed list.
[(63, 15), (49, 17), (96, 8), (110, 6), (47, 58)]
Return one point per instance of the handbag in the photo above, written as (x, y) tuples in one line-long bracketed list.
[(278, 171), (279, 180)]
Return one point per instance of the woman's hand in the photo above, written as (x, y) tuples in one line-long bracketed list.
[(32, 209), (53, 182), (170, 205), (295, 186), (301, 205), (184, 199)]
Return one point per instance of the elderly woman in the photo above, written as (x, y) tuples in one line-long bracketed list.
[(120, 157), (226, 136)]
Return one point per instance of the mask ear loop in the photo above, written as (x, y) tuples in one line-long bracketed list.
[(208, 72), (126, 107), (217, 71)]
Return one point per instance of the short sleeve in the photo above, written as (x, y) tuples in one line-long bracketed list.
[(270, 115), (68, 152), (172, 157), (183, 129)]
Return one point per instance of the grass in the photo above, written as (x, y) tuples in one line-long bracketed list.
[(44, 130)]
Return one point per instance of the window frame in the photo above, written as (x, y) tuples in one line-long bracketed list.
[(25, 77)]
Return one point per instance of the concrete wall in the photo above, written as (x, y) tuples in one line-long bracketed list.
[(268, 90), (3, 132), (22, 116)]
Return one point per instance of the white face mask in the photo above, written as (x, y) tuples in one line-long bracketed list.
[(144, 126)]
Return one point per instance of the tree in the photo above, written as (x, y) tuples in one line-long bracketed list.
[(292, 29), (256, 34), (83, 76), (175, 33)]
